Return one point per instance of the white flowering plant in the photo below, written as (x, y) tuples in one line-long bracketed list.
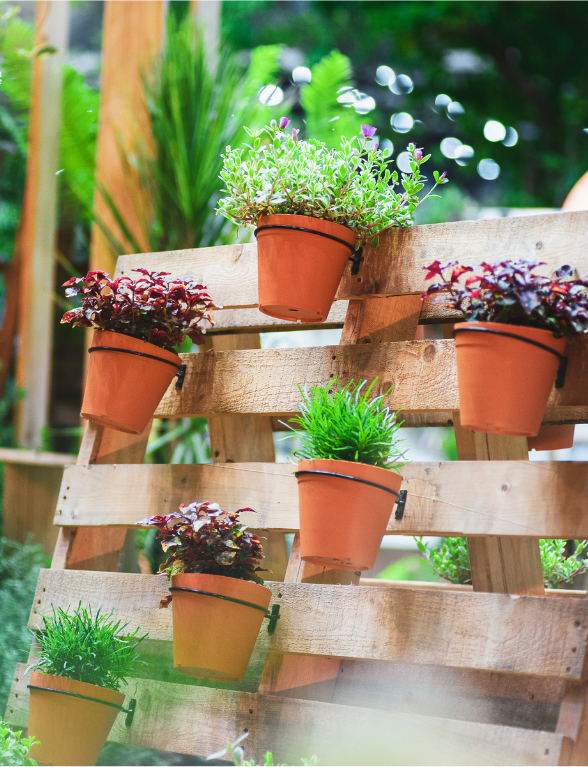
[(353, 185)]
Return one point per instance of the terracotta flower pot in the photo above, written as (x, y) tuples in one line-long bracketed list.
[(214, 638), (123, 390), (553, 437), (342, 521), (504, 383), (299, 272), (69, 730)]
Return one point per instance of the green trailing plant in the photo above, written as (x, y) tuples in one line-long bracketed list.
[(14, 749), (450, 560), (88, 648), (196, 107), (351, 185), (202, 538), (348, 424)]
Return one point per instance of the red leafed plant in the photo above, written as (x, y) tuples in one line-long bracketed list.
[(150, 308), (510, 292), (202, 538)]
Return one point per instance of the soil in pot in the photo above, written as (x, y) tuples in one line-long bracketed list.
[(214, 638), (504, 383), (299, 271), (342, 521), (553, 437), (70, 730), (123, 390)]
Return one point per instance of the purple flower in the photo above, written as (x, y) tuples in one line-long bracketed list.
[(418, 154), (368, 131), (284, 122), (295, 132)]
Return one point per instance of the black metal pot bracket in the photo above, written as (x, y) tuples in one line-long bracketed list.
[(273, 615), (130, 711), (356, 261), (180, 375)]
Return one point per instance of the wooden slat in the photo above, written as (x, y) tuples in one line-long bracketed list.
[(396, 266), (423, 374), (540, 499), (527, 635), (35, 457), (201, 721)]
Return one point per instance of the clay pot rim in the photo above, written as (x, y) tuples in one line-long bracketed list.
[(344, 231), (172, 356), (86, 687)]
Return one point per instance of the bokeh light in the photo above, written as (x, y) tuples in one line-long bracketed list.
[(401, 85), (271, 95), (385, 75), (387, 144), (494, 131), (364, 104), (401, 122), (442, 101), (488, 169), (511, 138), (301, 75), (449, 146), (403, 162), (347, 96), (454, 109), (463, 154)]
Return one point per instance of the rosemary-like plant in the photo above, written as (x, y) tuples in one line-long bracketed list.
[(88, 648), (450, 560), (14, 749), (348, 424)]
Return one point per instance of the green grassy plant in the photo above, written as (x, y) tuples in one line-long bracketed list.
[(450, 560), (88, 648), (14, 749), (348, 424)]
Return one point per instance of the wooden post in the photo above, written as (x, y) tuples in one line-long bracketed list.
[(36, 241), (505, 564), (132, 36)]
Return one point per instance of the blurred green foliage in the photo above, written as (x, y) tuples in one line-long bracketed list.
[(409, 568)]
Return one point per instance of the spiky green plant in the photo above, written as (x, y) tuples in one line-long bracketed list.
[(196, 108), (450, 560), (88, 648), (348, 424)]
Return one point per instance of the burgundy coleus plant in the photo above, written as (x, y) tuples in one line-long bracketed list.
[(510, 292), (151, 308), (202, 538)]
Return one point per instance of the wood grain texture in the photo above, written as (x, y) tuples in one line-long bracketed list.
[(202, 721), (395, 267), (423, 374), (382, 320), (528, 635), (539, 499), (35, 457)]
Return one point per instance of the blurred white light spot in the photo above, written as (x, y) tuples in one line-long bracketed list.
[(463, 154), (403, 162), (364, 104), (401, 122), (454, 109), (348, 96), (401, 85), (464, 62), (442, 101), (301, 75), (488, 169), (449, 146), (511, 138), (271, 95), (387, 144), (494, 131), (385, 75), (59, 171)]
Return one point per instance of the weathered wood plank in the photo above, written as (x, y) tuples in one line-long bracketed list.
[(527, 635), (395, 267), (539, 499), (423, 374), (202, 720)]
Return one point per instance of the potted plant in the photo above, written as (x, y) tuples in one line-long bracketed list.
[(137, 325), (14, 749), (511, 345), (219, 601), (75, 690), (313, 208), (348, 479)]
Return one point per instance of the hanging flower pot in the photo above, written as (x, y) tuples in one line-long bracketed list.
[(300, 262), (510, 349), (70, 728), (312, 204), (345, 508), (126, 380), (137, 324), (505, 375), (215, 632), (218, 598), (553, 437)]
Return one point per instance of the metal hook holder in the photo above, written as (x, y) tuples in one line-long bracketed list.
[(180, 375), (356, 261), (274, 617)]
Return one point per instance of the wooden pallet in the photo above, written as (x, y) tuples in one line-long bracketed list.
[(399, 674)]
